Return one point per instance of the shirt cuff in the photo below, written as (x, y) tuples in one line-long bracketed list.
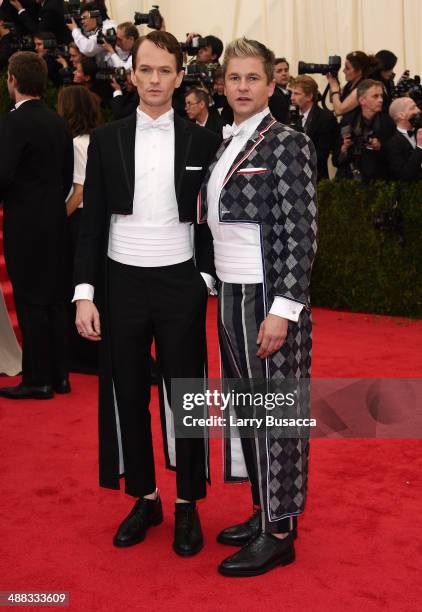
[(21, 11), (84, 291), (209, 280), (117, 92), (288, 309)]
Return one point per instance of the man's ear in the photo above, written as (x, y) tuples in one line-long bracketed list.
[(179, 78), (133, 77)]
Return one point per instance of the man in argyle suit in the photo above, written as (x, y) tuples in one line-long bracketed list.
[(259, 199)]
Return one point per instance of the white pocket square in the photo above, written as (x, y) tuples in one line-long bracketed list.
[(193, 167), (251, 170)]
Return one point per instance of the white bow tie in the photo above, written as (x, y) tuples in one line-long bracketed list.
[(231, 130), (149, 124)]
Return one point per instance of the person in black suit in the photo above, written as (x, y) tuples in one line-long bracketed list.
[(198, 110), (6, 39), (135, 250), (319, 124), (125, 99), (279, 103), (36, 166), (50, 18), (360, 151), (404, 149)]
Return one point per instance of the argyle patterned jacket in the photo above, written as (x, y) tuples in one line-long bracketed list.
[(272, 182)]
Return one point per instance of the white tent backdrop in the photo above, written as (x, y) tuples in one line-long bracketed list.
[(308, 30)]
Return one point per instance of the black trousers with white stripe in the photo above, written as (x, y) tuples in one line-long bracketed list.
[(167, 304), (241, 312)]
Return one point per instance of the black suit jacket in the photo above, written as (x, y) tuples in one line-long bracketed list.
[(404, 161), (36, 172), (50, 18), (279, 105), (124, 105), (215, 122), (5, 50), (109, 188), (322, 128)]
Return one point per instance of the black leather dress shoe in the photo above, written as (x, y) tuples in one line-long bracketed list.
[(259, 556), (188, 539), (239, 535), (22, 391), (144, 514), (62, 386)]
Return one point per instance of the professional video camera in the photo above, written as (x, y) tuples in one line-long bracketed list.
[(109, 37), (73, 9), (409, 87), (108, 74), (333, 67), (294, 118), (360, 142), (153, 19), (200, 74), (192, 47)]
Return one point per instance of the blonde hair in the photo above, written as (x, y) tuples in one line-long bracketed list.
[(308, 85), (244, 47)]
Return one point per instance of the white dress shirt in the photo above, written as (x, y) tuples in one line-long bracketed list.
[(152, 235), (80, 156), (87, 44), (237, 246)]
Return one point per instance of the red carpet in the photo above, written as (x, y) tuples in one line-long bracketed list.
[(359, 545)]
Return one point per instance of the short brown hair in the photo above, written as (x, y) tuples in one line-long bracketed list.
[(363, 86), (244, 47), (308, 86), (129, 30), (200, 95), (163, 40), (281, 60), (79, 108), (30, 72)]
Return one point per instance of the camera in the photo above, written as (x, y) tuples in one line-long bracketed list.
[(294, 118), (333, 67), (153, 19), (360, 142), (409, 87), (108, 74), (192, 47), (200, 74), (109, 37), (74, 10)]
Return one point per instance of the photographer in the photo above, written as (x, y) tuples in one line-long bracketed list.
[(360, 151), (49, 55), (50, 18), (197, 109), (210, 52), (385, 75), (86, 41), (120, 55), (220, 99), (6, 39), (404, 149), (357, 67), (125, 98), (85, 74), (317, 123), (279, 102)]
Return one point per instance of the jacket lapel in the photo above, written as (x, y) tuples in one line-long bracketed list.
[(126, 140), (252, 143), (182, 143)]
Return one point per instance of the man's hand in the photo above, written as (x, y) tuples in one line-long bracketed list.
[(347, 141), (16, 4), (88, 320), (72, 25), (107, 47), (374, 144), (61, 60), (115, 85), (271, 336), (419, 137)]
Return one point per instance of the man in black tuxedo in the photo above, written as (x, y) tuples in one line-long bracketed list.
[(135, 248), (36, 171), (279, 103), (404, 149), (317, 123), (197, 109), (49, 18)]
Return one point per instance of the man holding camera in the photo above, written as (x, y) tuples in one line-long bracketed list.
[(136, 250), (404, 149), (360, 151), (92, 23), (119, 55), (319, 124)]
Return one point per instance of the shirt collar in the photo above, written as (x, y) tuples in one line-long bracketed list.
[(249, 126), (142, 117), (18, 104)]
